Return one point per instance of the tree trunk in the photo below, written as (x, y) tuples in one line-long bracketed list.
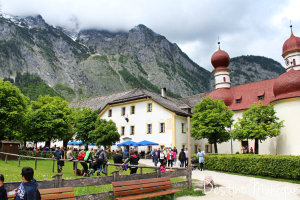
[(47, 144), (65, 143), (216, 148), (24, 146), (256, 146)]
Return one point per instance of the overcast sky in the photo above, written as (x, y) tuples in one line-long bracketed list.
[(245, 27)]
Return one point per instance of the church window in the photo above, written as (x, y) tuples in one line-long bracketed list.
[(224, 79), (294, 62), (109, 112)]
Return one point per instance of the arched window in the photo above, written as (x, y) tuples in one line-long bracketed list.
[(224, 79), (294, 62)]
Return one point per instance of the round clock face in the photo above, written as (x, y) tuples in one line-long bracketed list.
[(286, 62)]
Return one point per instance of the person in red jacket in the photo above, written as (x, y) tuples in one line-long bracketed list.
[(170, 158)]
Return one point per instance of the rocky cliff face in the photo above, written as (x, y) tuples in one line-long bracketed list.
[(246, 69), (95, 62)]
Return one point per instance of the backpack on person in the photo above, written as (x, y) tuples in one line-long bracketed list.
[(97, 154), (81, 156), (87, 156)]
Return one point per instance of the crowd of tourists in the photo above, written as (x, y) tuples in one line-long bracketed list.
[(168, 157), (95, 161)]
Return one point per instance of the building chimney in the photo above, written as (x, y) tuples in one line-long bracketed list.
[(164, 92)]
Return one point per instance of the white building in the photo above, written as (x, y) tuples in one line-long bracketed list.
[(144, 115)]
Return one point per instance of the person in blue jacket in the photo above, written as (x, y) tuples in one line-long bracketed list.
[(28, 189), (3, 193), (201, 156)]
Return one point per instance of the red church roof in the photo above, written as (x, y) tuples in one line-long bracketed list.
[(247, 94), (285, 86)]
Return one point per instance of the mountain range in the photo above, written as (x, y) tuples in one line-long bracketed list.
[(94, 62)]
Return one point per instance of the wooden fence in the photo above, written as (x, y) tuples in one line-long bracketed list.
[(93, 181)]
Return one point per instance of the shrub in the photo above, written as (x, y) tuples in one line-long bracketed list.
[(277, 166)]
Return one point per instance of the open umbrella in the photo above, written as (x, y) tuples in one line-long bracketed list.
[(146, 143), (128, 143)]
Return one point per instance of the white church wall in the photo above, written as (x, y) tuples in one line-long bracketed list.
[(288, 140)]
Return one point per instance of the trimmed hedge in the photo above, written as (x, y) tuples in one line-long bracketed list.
[(277, 166)]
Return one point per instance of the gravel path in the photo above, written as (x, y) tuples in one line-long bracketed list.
[(234, 187)]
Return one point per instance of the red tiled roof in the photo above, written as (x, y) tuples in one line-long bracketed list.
[(285, 86), (248, 94)]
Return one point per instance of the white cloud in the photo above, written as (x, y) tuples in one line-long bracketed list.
[(245, 27)]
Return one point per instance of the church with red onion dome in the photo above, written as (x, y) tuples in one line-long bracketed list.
[(282, 92)]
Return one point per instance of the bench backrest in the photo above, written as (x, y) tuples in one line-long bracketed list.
[(54, 193), (124, 188)]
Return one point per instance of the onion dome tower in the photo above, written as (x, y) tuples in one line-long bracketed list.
[(220, 60), (288, 84), (291, 52)]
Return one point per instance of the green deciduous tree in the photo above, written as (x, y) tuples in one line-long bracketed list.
[(13, 108), (48, 119), (84, 120), (259, 122), (211, 120), (105, 132)]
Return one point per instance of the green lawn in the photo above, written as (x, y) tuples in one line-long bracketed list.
[(11, 172)]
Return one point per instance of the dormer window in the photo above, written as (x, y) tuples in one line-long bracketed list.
[(260, 95), (260, 98), (238, 99)]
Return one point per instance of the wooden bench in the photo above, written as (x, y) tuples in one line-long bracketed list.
[(144, 188), (65, 193)]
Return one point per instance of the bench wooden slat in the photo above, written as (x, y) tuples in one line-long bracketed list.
[(65, 193), (155, 194), (58, 196), (55, 190), (142, 190), (131, 187), (136, 182)]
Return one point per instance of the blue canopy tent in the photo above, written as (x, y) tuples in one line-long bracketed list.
[(146, 143), (78, 143), (71, 143), (128, 143)]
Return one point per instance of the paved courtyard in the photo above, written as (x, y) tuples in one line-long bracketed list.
[(234, 187)]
